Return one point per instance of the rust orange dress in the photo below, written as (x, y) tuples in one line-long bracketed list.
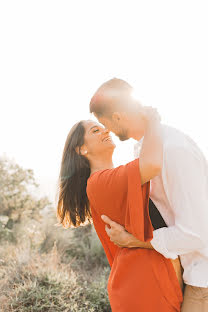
[(141, 280)]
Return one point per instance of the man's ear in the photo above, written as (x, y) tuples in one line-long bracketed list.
[(116, 117)]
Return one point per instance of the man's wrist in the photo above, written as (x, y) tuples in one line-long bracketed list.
[(135, 243)]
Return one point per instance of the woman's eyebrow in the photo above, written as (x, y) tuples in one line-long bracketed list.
[(96, 127), (93, 127)]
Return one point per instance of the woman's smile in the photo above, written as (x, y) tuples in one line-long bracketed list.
[(108, 138)]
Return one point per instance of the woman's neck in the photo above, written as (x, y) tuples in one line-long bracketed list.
[(101, 164)]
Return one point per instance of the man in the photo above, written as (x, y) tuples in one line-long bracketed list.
[(180, 192)]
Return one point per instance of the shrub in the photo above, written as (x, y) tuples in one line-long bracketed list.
[(18, 202), (79, 245), (43, 283)]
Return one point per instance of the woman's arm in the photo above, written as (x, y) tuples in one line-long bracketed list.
[(151, 156)]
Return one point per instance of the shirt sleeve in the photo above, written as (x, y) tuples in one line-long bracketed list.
[(185, 184)]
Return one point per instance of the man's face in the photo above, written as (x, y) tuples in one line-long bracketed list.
[(118, 128)]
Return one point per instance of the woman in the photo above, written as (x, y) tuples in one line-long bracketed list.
[(140, 279)]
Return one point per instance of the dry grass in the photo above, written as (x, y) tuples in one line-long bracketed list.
[(56, 280)]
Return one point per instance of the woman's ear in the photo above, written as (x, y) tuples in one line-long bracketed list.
[(81, 150), (77, 149)]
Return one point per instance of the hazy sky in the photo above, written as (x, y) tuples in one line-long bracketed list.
[(54, 55)]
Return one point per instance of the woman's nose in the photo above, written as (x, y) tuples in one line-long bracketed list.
[(106, 130)]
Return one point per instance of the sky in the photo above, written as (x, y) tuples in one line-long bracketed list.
[(55, 54)]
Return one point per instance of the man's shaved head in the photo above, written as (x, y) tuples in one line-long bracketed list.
[(107, 99)]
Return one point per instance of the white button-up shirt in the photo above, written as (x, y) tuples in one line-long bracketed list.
[(181, 195)]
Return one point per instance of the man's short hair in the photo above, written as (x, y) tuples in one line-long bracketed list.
[(104, 101)]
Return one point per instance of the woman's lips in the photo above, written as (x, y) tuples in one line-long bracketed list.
[(107, 139)]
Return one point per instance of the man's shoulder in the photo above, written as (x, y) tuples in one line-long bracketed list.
[(174, 138), (178, 144), (170, 133)]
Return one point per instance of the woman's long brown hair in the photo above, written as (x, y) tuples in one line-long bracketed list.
[(73, 205)]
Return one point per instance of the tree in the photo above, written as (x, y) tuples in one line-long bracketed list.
[(17, 189)]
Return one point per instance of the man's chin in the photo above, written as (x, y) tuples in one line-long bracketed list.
[(123, 138)]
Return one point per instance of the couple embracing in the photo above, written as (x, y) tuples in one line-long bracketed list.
[(157, 248)]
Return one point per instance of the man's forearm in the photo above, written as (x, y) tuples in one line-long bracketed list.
[(172, 242), (120, 237), (135, 243)]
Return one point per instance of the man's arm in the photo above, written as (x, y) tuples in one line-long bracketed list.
[(185, 183), (120, 237), (151, 155), (186, 188)]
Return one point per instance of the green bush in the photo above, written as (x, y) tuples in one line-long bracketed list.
[(86, 248), (79, 245), (6, 234)]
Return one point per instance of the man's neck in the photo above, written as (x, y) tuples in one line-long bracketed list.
[(137, 126)]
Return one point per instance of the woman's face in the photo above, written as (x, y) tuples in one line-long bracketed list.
[(97, 139)]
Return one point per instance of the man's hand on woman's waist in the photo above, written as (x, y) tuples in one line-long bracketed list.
[(120, 237)]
